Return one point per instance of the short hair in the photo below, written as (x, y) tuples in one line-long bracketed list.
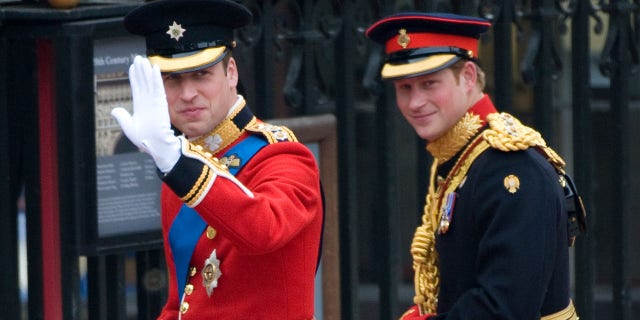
[(481, 79)]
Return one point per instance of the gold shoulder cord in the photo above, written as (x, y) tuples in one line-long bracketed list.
[(509, 134), (505, 133), (425, 257)]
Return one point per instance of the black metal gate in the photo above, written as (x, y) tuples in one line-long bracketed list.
[(566, 67)]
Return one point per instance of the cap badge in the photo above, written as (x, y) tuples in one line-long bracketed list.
[(403, 38), (511, 183), (211, 273), (176, 31)]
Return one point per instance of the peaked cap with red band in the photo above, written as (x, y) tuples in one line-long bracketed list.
[(422, 43)]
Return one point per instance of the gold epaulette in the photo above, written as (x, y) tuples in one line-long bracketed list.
[(273, 133), (506, 133)]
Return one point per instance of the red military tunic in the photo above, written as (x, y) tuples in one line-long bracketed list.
[(267, 245)]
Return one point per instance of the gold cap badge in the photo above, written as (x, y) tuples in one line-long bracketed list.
[(403, 39)]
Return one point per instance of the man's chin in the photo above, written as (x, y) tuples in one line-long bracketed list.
[(426, 134), (192, 133)]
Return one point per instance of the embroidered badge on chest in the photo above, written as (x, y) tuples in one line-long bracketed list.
[(211, 273), (511, 183)]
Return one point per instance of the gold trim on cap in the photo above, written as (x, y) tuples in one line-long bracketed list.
[(201, 58), (392, 71)]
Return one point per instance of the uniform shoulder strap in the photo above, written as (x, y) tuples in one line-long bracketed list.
[(506, 133), (272, 133)]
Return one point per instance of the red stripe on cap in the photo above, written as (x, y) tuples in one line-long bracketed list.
[(424, 18), (452, 20), (421, 40)]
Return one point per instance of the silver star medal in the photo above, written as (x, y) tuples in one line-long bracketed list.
[(211, 273), (176, 31)]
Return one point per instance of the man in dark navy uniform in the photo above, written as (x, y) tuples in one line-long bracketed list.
[(494, 240), (242, 207)]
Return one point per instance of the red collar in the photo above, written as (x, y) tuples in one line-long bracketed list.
[(483, 108)]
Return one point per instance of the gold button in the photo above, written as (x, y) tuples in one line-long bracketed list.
[(188, 289), (192, 271), (211, 232), (184, 307)]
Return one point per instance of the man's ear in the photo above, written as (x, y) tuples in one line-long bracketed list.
[(232, 72), (469, 74)]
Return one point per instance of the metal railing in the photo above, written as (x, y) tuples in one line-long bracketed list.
[(566, 67)]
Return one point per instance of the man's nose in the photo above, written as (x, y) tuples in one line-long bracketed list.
[(187, 91)]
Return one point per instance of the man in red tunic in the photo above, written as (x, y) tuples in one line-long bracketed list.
[(242, 206)]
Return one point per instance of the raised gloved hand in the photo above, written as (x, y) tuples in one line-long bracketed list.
[(414, 314), (149, 128)]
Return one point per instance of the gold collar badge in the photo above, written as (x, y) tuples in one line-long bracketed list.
[(445, 147), (223, 134), (403, 38), (213, 142), (176, 31)]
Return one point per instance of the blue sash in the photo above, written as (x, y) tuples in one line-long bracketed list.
[(188, 226)]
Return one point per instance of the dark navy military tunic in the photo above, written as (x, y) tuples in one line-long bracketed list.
[(505, 255)]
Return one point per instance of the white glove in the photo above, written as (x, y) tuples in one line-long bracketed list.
[(149, 128)]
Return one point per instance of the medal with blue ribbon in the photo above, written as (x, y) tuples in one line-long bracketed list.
[(447, 212)]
